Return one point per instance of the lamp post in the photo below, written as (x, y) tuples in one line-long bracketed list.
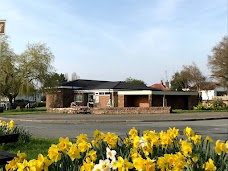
[(2, 32)]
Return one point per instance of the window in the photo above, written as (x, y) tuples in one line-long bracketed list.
[(78, 97)]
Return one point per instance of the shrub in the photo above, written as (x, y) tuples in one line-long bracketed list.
[(20, 103), (218, 104), (215, 104), (10, 128), (39, 104)]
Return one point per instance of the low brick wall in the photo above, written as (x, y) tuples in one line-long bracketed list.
[(67, 110), (115, 110), (131, 110)]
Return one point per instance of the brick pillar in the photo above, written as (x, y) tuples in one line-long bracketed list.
[(120, 100), (150, 100)]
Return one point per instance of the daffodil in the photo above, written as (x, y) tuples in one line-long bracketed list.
[(53, 153), (99, 135), (43, 162), (173, 132), (165, 139), (197, 139), (123, 164), (220, 147), (10, 124), (133, 132), (111, 139), (110, 154), (105, 165), (92, 154), (81, 138), (26, 166), (64, 144), (21, 156), (12, 165), (87, 165), (209, 139), (209, 166), (186, 148), (84, 146), (189, 132), (74, 152)]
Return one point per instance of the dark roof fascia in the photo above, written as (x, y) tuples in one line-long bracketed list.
[(69, 87), (177, 93)]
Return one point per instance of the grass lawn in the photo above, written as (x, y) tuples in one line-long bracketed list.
[(32, 148), (38, 110), (196, 111)]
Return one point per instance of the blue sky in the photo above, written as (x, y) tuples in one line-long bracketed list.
[(116, 39)]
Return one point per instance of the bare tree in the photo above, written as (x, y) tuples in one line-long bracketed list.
[(66, 76), (74, 76), (218, 61), (194, 76), (190, 76)]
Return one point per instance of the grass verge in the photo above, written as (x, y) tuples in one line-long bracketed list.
[(38, 110), (32, 148), (196, 111)]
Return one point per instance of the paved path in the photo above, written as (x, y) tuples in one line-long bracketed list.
[(48, 117)]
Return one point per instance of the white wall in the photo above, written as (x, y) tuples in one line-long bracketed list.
[(208, 94)]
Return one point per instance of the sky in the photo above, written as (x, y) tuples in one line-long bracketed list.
[(112, 40)]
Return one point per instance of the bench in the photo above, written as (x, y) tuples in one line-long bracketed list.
[(4, 155)]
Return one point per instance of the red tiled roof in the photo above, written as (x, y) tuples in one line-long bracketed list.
[(160, 86)]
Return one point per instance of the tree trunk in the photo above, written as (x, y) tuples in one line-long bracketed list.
[(11, 102)]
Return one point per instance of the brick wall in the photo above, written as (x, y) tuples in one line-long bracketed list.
[(135, 101), (59, 99), (54, 99), (120, 100), (131, 110), (103, 101), (125, 110), (68, 110), (115, 99)]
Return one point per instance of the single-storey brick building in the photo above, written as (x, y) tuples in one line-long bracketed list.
[(104, 94)]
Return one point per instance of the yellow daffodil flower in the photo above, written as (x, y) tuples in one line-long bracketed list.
[(220, 147), (53, 153), (209, 166), (189, 132), (74, 152), (64, 144), (26, 166)]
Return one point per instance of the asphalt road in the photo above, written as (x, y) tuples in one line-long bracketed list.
[(214, 125)]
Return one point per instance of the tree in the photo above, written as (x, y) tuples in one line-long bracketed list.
[(178, 82), (10, 77), (194, 76), (134, 81), (54, 79), (190, 76), (23, 73), (74, 76), (218, 61), (35, 63)]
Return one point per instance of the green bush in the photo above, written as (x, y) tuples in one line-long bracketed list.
[(10, 128), (39, 104), (20, 103), (216, 104)]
